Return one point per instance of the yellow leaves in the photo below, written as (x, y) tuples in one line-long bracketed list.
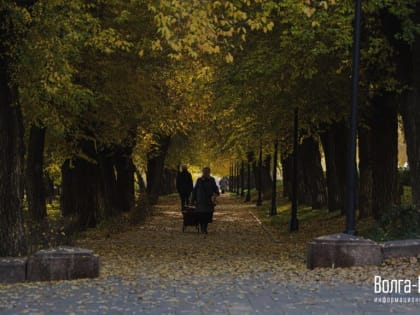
[(264, 19), (308, 11), (254, 25), (324, 4), (156, 45), (229, 58), (209, 48), (229, 32), (152, 266), (109, 41), (184, 26), (268, 27), (236, 246), (315, 24), (217, 4)]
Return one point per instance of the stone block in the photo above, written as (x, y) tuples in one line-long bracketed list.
[(12, 269), (62, 263), (342, 250), (403, 248)]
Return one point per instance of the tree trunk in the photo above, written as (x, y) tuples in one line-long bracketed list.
[(273, 209), (407, 61), (238, 179), (172, 182), (266, 180), (410, 112), (313, 175), (140, 181), (255, 174), (304, 193), (341, 139), (35, 186), (82, 195), (155, 165), (125, 181), (242, 178), (334, 143), (287, 172), (168, 185), (366, 172), (67, 201), (49, 189), (79, 197), (108, 198), (385, 153), (12, 233)]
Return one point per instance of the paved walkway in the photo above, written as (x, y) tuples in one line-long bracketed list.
[(237, 269)]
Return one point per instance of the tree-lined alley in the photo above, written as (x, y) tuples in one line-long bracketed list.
[(107, 98)]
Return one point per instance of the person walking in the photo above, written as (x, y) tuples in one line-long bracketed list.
[(224, 183), (184, 186), (204, 197)]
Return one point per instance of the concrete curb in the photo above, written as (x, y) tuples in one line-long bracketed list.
[(59, 263), (342, 250)]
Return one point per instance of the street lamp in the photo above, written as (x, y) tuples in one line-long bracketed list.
[(350, 206)]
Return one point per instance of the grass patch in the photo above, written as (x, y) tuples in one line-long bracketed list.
[(400, 222), (312, 223), (397, 223), (407, 196), (52, 231), (174, 196), (122, 222)]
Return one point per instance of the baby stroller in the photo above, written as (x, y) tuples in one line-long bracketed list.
[(190, 218)]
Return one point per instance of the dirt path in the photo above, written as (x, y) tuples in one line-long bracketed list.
[(235, 244)]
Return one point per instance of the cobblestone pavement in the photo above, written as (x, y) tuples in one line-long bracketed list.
[(235, 270), (220, 295)]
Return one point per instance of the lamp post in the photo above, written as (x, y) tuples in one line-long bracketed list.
[(294, 223), (350, 206), (259, 200)]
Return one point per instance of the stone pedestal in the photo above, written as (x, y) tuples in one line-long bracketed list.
[(403, 248), (62, 263), (12, 270), (342, 250)]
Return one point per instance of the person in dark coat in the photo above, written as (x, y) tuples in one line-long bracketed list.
[(224, 183), (204, 197), (184, 186)]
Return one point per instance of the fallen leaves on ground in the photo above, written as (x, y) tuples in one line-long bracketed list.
[(236, 246), (155, 264)]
